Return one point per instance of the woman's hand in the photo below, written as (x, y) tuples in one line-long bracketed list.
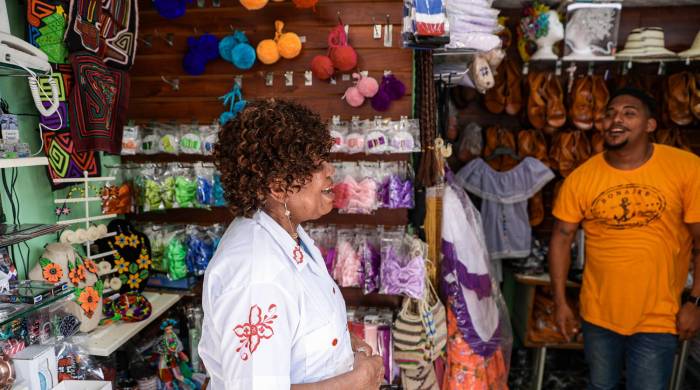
[(368, 371), (359, 345)]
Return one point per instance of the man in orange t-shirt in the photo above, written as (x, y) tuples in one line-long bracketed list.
[(639, 205)]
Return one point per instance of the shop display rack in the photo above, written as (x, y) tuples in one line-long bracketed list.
[(10, 312), (23, 162), (14, 234), (105, 340)]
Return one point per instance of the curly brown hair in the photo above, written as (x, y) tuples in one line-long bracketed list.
[(270, 141)]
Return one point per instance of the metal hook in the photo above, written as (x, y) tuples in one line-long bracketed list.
[(340, 21), (169, 38), (147, 40), (174, 83)]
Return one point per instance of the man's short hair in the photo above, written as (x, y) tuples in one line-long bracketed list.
[(647, 100)]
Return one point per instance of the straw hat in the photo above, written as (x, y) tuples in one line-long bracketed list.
[(694, 50), (645, 42)]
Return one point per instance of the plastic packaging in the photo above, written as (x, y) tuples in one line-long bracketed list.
[(190, 139), (205, 185), (130, 140), (338, 132), (169, 139), (402, 267), (210, 136), (371, 258), (348, 265), (148, 143)]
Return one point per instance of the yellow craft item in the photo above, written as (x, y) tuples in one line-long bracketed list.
[(267, 52), (252, 5), (288, 44)]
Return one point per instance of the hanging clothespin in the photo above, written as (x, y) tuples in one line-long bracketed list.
[(687, 61), (289, 78), (269, 79), (238, 79), (335, 119), (557, 68), (571, 72), (169, 38), (388, 32), (590, 68), (526, 68), (662, 68), (626, 68), (308, 78), (377, 29), (606, 75)]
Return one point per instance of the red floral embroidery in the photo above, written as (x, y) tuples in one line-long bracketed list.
[(298, 255), (257, 328)]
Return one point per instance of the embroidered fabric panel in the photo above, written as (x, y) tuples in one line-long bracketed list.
[(98, 104), (65, 161), (46, 23), (107, 29)]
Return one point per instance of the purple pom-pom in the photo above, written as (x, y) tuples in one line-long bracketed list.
[(381, 100), (394, 88)]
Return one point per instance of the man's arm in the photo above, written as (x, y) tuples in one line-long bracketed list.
[(560, 256), (559, 262), (689, 316)]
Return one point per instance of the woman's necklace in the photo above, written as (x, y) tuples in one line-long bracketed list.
[(297, 253)]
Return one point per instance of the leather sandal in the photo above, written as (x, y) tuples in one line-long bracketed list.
[(490, 145), (678, 98), (581, 112), (495, 98), (506, 139), (556, 112), (532, 143), (514, 94), (536, 106), (601, 96)]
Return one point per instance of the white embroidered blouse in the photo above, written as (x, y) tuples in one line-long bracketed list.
[(273, 316)]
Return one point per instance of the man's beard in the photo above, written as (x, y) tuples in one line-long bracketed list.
[(615, 147)]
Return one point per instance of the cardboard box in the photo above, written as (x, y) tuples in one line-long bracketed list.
[(36, 366)]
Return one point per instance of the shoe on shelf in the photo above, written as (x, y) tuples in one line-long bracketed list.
[(554, 95), (495, 98), (514, 94), (678, 98), (601, 96), (581, 112), (536, 105)]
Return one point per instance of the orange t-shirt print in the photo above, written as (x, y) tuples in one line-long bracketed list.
[(637, 242)]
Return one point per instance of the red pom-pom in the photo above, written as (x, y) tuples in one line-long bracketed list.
[(322, 67), (344, 58)]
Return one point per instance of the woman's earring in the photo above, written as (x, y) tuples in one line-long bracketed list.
[(286, 210)]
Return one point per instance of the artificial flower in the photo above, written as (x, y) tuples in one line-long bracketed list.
[(91, 266), (52, 272), (88, 299), (144, 260), (121, 240), (134, 281), (121, 265)]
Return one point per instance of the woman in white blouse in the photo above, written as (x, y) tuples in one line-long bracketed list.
[(273, 317)]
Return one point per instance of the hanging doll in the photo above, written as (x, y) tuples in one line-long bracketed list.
[(173, 364)]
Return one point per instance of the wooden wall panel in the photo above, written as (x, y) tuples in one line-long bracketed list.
[(197, 97)]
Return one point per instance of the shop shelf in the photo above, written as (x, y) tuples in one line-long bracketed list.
[(105, 340), (25, 309), (21, 233), (23, 162), (195, 158)]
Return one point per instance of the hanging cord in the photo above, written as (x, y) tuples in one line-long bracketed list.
[(429, 169)]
